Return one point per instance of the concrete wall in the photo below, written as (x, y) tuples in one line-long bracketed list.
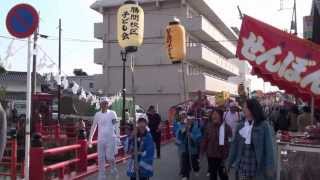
[(84, 82), (158, 82)]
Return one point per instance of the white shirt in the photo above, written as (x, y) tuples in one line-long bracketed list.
[(107, 125), (246, 131), (232, 119)]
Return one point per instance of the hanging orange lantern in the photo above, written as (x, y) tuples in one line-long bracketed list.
[(130, 26), (175, 38)]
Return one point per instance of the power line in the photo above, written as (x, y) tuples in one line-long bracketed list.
[(52, 38), (51, 60)]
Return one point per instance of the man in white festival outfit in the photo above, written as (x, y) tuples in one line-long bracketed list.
[(108, 137)]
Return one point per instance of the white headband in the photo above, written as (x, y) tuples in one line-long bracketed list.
[(104, 99)]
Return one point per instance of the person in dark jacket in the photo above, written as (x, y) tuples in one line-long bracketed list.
[(217, 136), (252, 152), (293, 117), (283, 121), (155, 130)]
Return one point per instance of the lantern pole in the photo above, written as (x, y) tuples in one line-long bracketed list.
[(185, 93), (130, 38), (136, 169), (124, 60)]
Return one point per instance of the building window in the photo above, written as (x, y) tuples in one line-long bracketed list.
[(91, 85)]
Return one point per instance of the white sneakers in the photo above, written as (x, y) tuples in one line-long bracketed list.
[(185, 178)]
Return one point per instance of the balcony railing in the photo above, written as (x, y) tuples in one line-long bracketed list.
[(202, 54), (206, 32)]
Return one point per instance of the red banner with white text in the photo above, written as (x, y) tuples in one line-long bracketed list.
[(291, 63)]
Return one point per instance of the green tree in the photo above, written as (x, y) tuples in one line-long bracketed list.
[(2, 70)]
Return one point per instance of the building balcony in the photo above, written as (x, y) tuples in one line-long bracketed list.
[(99, 56), (210, 84), (99, 30), (206, 7), (204, 56), (202, 29)]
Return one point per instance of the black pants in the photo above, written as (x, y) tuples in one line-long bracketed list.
[(185, 164), (208, 161), (157, 140), (216, 167), (141, 178)]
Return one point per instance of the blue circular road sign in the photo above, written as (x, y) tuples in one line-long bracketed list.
[(22, 20)]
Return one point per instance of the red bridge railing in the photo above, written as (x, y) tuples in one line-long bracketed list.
[(38, 169), (9, 161), (80, 163)]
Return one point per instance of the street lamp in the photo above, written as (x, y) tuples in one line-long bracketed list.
[(130, 36)]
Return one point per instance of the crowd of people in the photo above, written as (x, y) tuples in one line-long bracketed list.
[(232, 139), (290, 117)]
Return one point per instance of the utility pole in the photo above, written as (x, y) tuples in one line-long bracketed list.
[(59, 71), (295, 25)]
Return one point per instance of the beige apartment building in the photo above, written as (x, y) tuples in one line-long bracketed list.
[(211, 46)]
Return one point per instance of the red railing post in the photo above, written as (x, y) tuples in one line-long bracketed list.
[(82, 155), (38, 127), (168, 130), (57, 131), (61, 174), (82, 152), (13, 165), (36, 159)]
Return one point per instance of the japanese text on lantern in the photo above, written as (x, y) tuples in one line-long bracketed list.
[(130, 22), (292, 68)]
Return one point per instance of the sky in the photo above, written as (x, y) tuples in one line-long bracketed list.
[(77, 23)]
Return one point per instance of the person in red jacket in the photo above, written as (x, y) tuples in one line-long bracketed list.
[(216, 144)]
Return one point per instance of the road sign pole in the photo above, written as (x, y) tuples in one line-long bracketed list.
[(28, 114), (24, 28)]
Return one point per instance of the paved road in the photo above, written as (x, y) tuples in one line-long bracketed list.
[(166, 168)]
